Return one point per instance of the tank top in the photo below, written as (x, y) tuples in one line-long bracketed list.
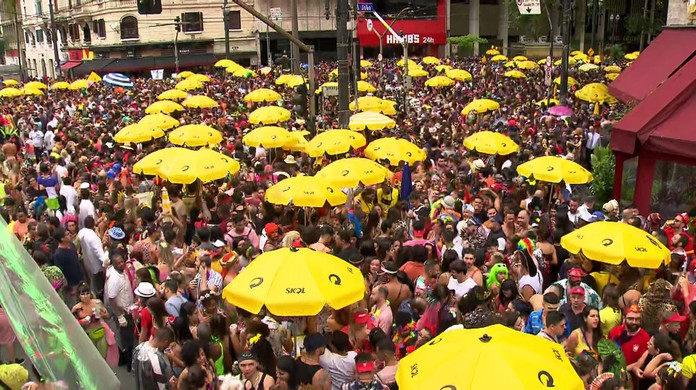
[(219, 363), (305, 372), (582, 343)]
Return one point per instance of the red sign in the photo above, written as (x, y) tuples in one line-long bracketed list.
[(416, 32)]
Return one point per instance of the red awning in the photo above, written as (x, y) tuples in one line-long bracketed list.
[(67, 65), (663, 121), (655, 64)]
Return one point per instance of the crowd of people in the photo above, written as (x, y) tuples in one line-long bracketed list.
[(473, 245)]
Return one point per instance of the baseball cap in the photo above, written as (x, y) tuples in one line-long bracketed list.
[(577, 290), (576, 273), (271, 227), (676, 317), (364, 367)]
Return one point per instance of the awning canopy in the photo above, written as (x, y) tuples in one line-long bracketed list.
[(667, 53), (663, 121), (67, 65), (95, 65), (145, 64)]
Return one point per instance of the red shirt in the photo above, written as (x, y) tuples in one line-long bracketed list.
[(632, 347)]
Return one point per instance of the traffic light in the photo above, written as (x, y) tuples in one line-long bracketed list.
[(300, 101), (177, 23), (149, 7)]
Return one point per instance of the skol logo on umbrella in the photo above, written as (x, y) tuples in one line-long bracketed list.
[(295, 290)]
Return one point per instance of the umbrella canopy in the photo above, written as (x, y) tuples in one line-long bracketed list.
[(269, 115), (60, 85), (225, 63), (632, 56), (160, 121), (571, 81), (364, 86), (10, 92), (199, 101), (571, 61), (172, 94), (199, 77), (394, 150), (374, 104), (242, 73), (515, 74), (295, 282), (522, 361), (35, 85), (297, 142), (195, 135), (93, 77), (205, 165), (519, 58), (481, 106), (188, 85), (185, 74), (612, 69), (615, 242), (439, 82), (149, 165), (498, 58), (612, 76), (137, 133), (554, 169), (527, 64), (430, 60), (488, 142), (350, 172), (291, 80), (371, 121), (595, 93), (11, 83), (268, 137), (417, 73), (410, 62), (328, 84), (443, 68), (305, 191), (492, 52), (334, 142), (262, 95), (334, 73), (80, 84), (588, 67), (548, 102), (561, 111), (365, 64), (165, 106), (458, 74), (118, 80), (32, 92)]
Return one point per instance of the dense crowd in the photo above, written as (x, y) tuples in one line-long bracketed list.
[(473, 245)]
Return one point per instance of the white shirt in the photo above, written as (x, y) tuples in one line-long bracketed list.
[(593, 140), (118, 288), (48, 139), (71, 197), (534, 282), (341, 368), (86, 209), (92, 250), (37, 138), (460, 289)]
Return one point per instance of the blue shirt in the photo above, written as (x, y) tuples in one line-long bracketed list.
[(535, 322)]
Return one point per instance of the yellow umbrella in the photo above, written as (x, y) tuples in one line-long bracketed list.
[(510, 64), (199, 77), (375, 104), (515, 74), (185, 74), (165, 106), (582, 58), (576, 53), (443, 68), (262, 95), (11, 83), (291, 80), (60, 85), (333, 142), (205, 165), (611, 76), (394, 150), (588, 67), (150, 164), (305, 191), (334, 74), (266, 70), (616, 242), (80, 84), (430, 60), (370, 120), (242, 73), (160, 121), (541, 62), (32, 92), (571, 81), (172, 94), (295, 282), (93, 77), (527, 65), (548, 102), (351, 172), (199, 101), (195, 135), (519, 58), (225, 63), (328, 84), (365, 64), (554, 169), (458, 74), (410, 63), (269, 115), (522, 361), (10, 92), (492, 52), (364, 86), (268, 137), (137, 133), (297, 142), (498, 58), (417, 72), (439, 82), (488, 142), (612, 69), (595, 93), (188, 85), (632, 56), (481, 106), (35, 85)]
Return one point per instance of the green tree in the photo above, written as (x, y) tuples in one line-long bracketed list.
[(603, 166), (531, 25), (465, 43)]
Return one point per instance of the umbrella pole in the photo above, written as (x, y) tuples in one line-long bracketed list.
[(548, 209)]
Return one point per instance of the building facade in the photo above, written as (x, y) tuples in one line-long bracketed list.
[(39, 58), (9, 25)]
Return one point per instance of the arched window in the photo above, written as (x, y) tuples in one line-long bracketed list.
[(43, 67), (52, 69), (87, 34), (129, 28)]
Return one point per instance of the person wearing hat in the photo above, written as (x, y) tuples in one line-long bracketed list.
[(309, 369), (573, 309), (230, 267), (365, 370), (575, 279), (270, 239), (254, 379), (631, 337)]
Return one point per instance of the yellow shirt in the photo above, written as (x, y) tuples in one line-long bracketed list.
[(608, 319)]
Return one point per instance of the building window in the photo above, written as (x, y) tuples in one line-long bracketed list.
[(39, 36), (52, 69), (43, 67), (99, 28), (74, 30), (49, 38), (39, 8), (192, 22), (86, 33), (234, 20), (129, 28)]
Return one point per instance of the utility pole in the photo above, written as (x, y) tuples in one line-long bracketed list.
[(563, 95), (19, 45), (177, 27), (54, 40), (406, 76), (227, 29), (269, 56), (595, 16), (294, 49), (355, 46), (342, 47)]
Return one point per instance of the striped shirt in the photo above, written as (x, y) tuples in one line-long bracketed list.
[(214, 279)]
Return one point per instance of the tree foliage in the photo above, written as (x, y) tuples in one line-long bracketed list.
[(531, 25), (603, 167), (465, 43)]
